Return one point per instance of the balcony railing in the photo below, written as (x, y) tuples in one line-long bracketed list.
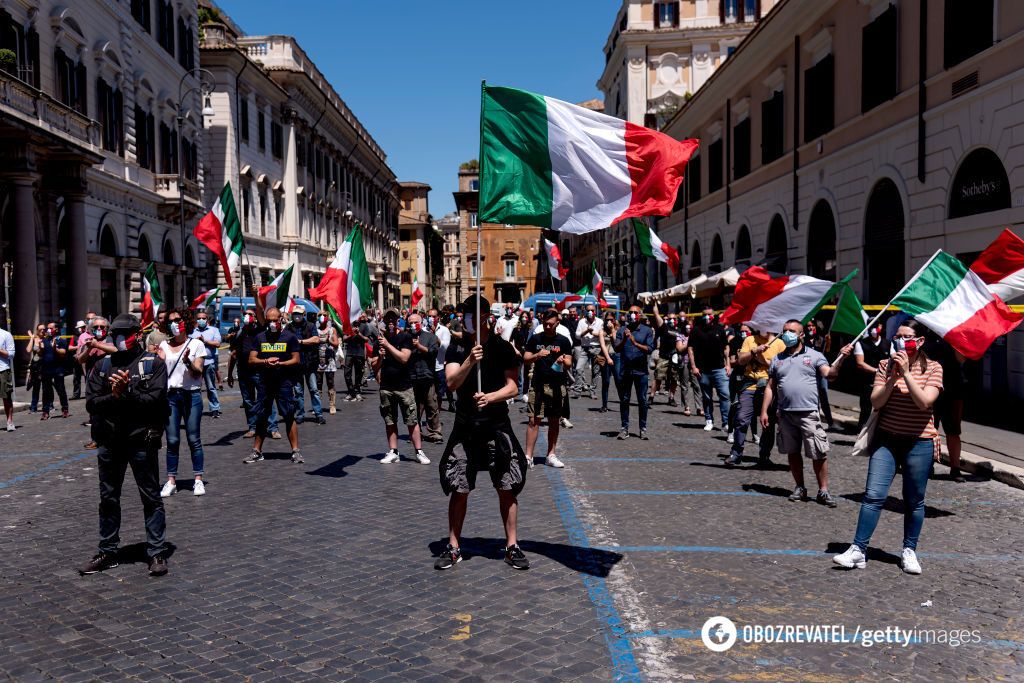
[(166, 185), (47, 112)]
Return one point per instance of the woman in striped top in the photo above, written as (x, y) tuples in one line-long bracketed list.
[(905, 390)]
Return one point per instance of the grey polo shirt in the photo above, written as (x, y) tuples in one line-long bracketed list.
[(796, 379)]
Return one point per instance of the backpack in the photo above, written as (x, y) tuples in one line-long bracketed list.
[(145, 372)]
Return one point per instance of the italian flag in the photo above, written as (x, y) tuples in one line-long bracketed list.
[(555, 165), (1001, 266), (221, 231), (205, 299), (278, 288), (955, 303), (417, 293), (597, 287), (767, 302), (345, 287), (291, 306), (152, 300), (651, 246), (554, 255)]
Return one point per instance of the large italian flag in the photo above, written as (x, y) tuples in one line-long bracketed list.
[(555, 165), (221, 231), (275, 295), (955, 303), (767, 302), (554, 256), (345, 287), (1001, 266), (651, 246), (152, 300)]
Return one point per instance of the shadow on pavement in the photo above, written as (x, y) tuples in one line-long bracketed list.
[(584, 560), (226, 440), (136, 553), (875, 554), (768, 490), (896, 505), (336, 469)]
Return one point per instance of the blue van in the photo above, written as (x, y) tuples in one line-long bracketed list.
[(228, 308), (541, 301)]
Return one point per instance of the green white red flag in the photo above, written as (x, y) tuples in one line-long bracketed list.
[(205, 299), (651, 246), (597, 287), (221, 231), (766, 303), (345, 287), (417, 293), (275, 295), (152, 300), (554, 256)]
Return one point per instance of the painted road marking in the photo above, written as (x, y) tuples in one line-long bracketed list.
[(43, 470)]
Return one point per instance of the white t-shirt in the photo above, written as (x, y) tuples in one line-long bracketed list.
[(505, 327), (444, 337), (586, 332), (181, 378), (6, 343)]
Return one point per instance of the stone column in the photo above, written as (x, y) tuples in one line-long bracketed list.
[(77, 257), (25, 290)]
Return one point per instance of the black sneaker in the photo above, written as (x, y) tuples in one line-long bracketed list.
[(157, 565), (101, 562), (733, 460), (449, 558), (955, 475), (643, 435), (216, 414), (515, 558), (254, 456), (321, 420), (825, 498), (623, 435), (799, 494)]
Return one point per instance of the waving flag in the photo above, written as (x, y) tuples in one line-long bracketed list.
[(205, 299), (345, 287), (417, 293), (554, 255), (277, 289), (556, 165), (152, 300), (597, 287), (1001, 266), (651, 246), (221, 231), (767, 303)]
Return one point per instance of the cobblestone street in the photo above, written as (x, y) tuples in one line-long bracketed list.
[(324, 570)]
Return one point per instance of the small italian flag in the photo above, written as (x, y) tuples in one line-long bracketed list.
[(417, 293), (554, 255), (152, 300), (597, 287), (556, 165), (291, 306), (955, 303), (221, 231), (205, 299), (345, 287), (651, 246), (275, 295)]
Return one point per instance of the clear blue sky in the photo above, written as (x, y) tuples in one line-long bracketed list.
[(411, 69)]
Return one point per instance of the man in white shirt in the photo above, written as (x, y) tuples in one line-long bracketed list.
[(7, 375), (444, 338), (587, 352), (506, 324)]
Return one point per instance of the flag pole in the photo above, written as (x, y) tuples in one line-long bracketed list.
[(480, 169)]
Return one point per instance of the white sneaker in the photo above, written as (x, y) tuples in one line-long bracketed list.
[(421, 457), (529, 462), (10, 426), (169, 489), (565, 423), (198, 488), (757, 439), (392, 456), (909, 563), (731, 438), (853, 558), (553, 461), (708, 426)]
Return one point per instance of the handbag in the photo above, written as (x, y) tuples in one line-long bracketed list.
[(866, 436)]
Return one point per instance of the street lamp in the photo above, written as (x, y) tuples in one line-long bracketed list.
[(348, 215), (205, 87)]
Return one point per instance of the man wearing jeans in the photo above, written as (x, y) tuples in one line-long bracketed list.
[(709, 361), (309, 344), (634, 341), (210, 336), (355, 358), (587, 352)]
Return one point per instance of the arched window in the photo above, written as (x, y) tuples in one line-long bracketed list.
[(883, 243), (716, 255), (776, 253), (695, 259), (190, 260), (108, 247), (144, 253), (743, 246), (821, 242), (980, 185), (169, 253)]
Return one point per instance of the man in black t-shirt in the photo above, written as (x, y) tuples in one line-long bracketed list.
[(551, 356), (394, 349), (425, 346), (243, 342), (274, 358), (709, 361), (305, 376), (483, 436)]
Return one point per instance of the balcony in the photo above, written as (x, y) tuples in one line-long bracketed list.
[(35, 107), (166, 185)]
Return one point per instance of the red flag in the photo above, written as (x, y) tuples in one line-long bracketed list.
[(1001, 266)]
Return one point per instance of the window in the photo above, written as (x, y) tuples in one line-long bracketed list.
[(773, 127), (276, 140), (165, 25), (879, 60), (406, 279), (472, 219), (967, 30), (168, 149), (666, 14), (751, 10), (730, 11), (693, 173), (472, 268), (140, 11), (510, 269), (70, 79), (300, 150), (243, 119), (263, 213), (190, 159), (819, 100), (261, 133), (715, 180), (145, 139), (186, 45), (110, 113), (474, 185), (741, 148), (25, 46)]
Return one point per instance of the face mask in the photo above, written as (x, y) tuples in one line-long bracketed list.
[(123, 342), (99, 334), (297, 319), (416, 328), (323, 320), (790, 338), (634, 318), (874, 333), (491, 320), (174, 329), (202, 323), (743, 334), (908, 345), (590, 315), (707, 319), (811, 331), (249, 319), (274, 326), (672, 322)]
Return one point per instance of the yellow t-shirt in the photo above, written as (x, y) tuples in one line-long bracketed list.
[(755, 370)]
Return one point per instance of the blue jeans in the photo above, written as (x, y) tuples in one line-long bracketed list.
[(719, 381), (247, 387), (210, 375), (442, 385), (187, 406), (629, 380), (608, 375), (749, 406), (914, 456), (309, 379)]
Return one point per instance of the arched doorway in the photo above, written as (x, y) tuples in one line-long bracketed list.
[(108, 274), (776, 253), (743, 247), (884, 251), (695, 259), (980, 185), (821, 242), (145, 255), (715, 266), (63, 242)]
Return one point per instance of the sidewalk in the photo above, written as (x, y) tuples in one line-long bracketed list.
[(987, 451)]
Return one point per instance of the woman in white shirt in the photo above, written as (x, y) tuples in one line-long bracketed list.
[(184, 358)]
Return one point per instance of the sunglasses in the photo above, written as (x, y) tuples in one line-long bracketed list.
[(100, 327), (174, 320)]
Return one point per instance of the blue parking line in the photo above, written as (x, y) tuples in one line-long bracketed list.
[(672, 493), (624, 664), (788, 551), (43, 470)]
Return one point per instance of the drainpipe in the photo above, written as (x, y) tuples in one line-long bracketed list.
[(796, 136), (922, 99)]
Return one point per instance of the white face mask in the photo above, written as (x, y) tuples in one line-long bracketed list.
[(274, 326), (174, 328)]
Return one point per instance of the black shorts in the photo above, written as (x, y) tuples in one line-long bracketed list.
[(949, 413), (482, 446)]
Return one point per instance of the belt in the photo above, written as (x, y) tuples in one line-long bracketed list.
[(179, 390)]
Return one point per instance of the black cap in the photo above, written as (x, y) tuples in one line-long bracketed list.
[(469, 305), (126, 323)]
